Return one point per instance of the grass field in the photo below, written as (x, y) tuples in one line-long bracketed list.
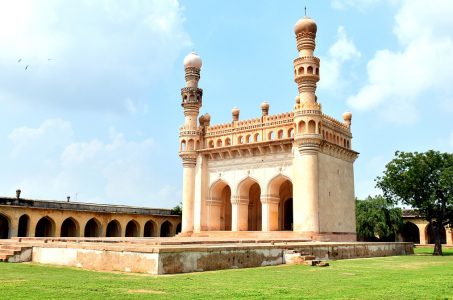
[(419, 276)]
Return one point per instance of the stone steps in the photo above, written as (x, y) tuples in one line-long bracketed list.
[(10, 248)]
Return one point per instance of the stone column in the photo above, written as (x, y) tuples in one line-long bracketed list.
[(188, 194), (269, 216), (305, 190), (214, 209), (239, 213), (14, 227), (421, 230), (449, 233)]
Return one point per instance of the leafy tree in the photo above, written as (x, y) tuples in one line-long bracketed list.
[(177, 210), (425, 182), (377, 219)]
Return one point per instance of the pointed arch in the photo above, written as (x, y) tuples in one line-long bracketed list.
[(70, 228), (132, 229), (281, 187), (45, 227), (24, 226), (249, 189), (92, 228), (5, 225), (113, 229), (219, 217), (166, 229), (150, 229)]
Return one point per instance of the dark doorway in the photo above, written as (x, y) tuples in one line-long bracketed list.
[(132, 229), (288, 214), (69, 228), (165, 229), (149, 229), (410, 233), (45, 227), (92, 228), (4, 227), (24, 222), (113, 229), (178, 228)]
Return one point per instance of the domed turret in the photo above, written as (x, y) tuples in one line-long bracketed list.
[(192, 60), (235, 112), (305, 24), (347, 117), (265, 108)]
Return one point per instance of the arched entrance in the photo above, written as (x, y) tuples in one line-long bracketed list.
[(430, 237), (92, 228), (24, 223), (410, 233), (69, 228), (165, 229), (4, 227), (254, 209), (287, 214), (178, 228), (150, 229), (219, 207), (113, 229), (281, 189), (132, 229), (45, 227)]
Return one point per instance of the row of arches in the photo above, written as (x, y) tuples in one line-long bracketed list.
[(411, 233), (310, 70), (310, 127), (190, 145), (70, 227), (336, 139), (252, 206), (253, 138)]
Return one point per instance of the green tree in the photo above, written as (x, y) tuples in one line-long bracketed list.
[(377, 219), (177, 210), (425, 182)]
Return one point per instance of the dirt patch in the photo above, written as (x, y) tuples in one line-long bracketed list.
[(143, 291)]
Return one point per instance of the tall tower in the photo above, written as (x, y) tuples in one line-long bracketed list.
[(189, 136), (307, 138)]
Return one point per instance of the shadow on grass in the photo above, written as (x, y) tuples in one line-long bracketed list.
[(429, 251)]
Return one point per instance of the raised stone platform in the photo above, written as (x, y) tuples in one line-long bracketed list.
[(180, 255)]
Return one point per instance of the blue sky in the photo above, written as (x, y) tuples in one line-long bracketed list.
[(96, 114)]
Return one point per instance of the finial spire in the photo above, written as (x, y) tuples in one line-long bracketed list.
[(305, 10)]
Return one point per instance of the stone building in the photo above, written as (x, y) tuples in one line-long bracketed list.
[(418, 231), (289, 172), (36, 218)]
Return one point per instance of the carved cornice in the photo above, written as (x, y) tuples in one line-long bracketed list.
[(338, 151), (189, 159)]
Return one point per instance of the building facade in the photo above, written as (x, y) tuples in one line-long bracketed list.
[(36, 218), (418, 231), (289, 172)]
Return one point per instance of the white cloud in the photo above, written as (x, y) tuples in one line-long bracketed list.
[(100, 51), (397, 80), (54, 130), (49, 162), (341, 51)]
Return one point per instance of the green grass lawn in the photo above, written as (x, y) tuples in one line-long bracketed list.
[(420, 276)]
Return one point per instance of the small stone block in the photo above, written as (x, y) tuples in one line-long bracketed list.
[(323, 264)]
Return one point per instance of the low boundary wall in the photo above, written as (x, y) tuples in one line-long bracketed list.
[(183, 258)]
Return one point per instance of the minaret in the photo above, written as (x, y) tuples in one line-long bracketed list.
[(307, 138), (189, 137)]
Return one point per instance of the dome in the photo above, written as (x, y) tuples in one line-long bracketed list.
[(265, 105), (297, 99), (305, 24), (235, 111), (207, 117), (347, 116), (192, 60)]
